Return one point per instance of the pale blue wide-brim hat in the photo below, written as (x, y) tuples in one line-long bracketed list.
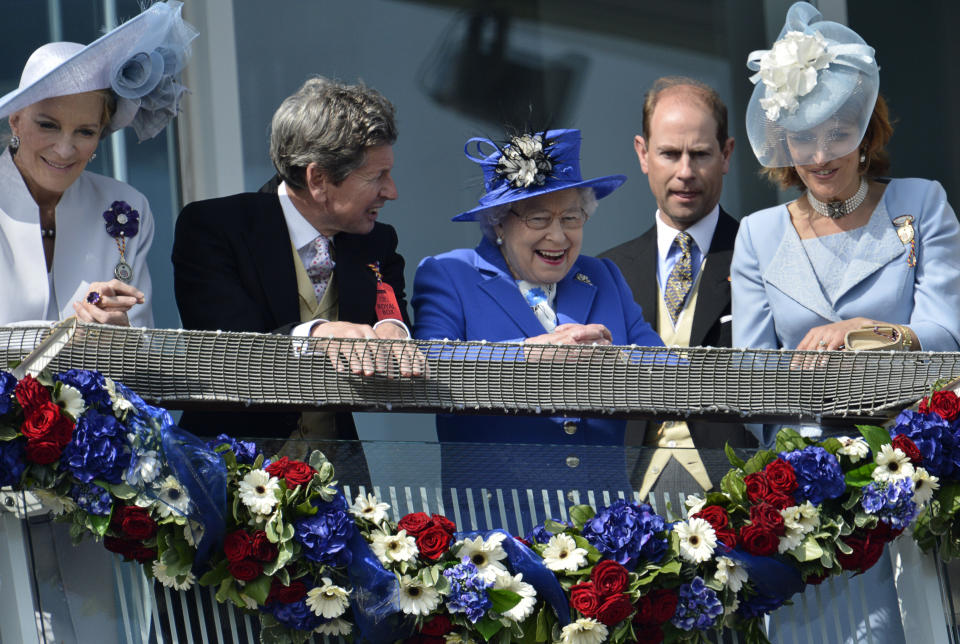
[(531, 165), (139, 60), (818, 73)]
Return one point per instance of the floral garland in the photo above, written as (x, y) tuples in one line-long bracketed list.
[(287, 546)]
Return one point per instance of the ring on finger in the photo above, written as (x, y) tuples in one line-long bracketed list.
[(822, 343), (93, 297)]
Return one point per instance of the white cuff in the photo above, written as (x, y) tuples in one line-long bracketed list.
[(399, 323), (303, 330)]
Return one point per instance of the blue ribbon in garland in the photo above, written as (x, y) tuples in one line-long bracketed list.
[(770, 576), (375, 597)]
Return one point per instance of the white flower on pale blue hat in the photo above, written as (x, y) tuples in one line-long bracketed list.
[(789, 70)]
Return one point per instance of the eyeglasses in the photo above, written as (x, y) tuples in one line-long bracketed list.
[(569, 220)]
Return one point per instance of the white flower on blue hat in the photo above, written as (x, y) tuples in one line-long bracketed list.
[(789, 70)]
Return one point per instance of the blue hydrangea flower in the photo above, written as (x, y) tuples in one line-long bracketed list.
[(892, 502), (12, 462), (92, 498), (936, 439), (245, 451), (819, 476), (539, 534), (698, 607), (297, 615), (89, 383), (325, 535), (98, 449), (626, 533), (7, 384), (145, 417), (759, 605), (468, 591)]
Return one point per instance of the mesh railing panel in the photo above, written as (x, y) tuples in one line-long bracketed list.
[(181, 369)]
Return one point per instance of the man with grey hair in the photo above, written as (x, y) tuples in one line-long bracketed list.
[(305, 255)]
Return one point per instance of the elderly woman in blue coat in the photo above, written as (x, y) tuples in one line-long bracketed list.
[(855, 251), (527, 282)]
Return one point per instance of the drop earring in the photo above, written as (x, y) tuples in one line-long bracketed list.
[(14, 142), (499, 240), (863, 158)]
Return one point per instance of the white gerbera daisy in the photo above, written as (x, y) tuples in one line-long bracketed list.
[(172, 498), (70, 400), (328, 600), (144, 468), (585, 630), (730, 573), (393, 548), (417, 598), (694, 504), (335, 627), (528, 595), (562, 553), (486, 555), (892, 464), (697, 539), (369, 507), (181, 582), (853, 448), (924, 485), (790, 540), (258, 491), (56, 504)]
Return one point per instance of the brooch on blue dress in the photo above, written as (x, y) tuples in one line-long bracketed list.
[(907, 235), (123, 222), (583, 278)]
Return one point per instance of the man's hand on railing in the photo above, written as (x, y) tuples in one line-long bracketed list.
[(340, 344)]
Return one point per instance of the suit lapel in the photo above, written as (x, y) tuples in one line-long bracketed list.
[(713, 295), (268, 241), (646, 290), (575, 295), (356, 282)]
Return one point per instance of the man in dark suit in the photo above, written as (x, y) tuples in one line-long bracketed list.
[(679, 269), (305, 255)]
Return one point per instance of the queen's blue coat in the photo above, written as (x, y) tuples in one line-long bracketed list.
[(777, 299), (470, 295)]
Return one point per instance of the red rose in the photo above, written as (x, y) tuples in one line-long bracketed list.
[(768, 516), (120, 546), (664, 602), (414, 523), (924, 406), (650, 635), (644, 614), (524, 542), (296, 591), (43, 452), (143, 555), (816, 580), (134, 522), (237, 546), (866, 552), (757, 486), (439, 625), (759, 540), (884, 532), (781, 477), (908, 447), (609, 577), (779, 500), (298, 473), (246, 570), (443, 522), (614, 609), (584, 598), (727, 537), (278, 468), (261, 549), (715, 515), (31, 394), (433, 542), (945, 404), (47, 423)]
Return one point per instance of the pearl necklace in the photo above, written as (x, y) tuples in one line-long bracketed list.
[(837, 209), (48, 232)]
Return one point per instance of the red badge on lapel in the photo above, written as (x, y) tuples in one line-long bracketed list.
[(386, 306)]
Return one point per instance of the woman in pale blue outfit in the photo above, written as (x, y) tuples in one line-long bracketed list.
[(853, 250)]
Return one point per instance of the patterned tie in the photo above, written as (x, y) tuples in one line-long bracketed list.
[(538, 297), (680, 279), (321, 266)]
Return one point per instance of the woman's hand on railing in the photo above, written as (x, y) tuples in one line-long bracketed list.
[(108, 303)]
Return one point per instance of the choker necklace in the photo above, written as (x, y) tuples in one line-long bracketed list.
[(837, 209)]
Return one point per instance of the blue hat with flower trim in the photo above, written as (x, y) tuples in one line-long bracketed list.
[(531, 165), (820, 79), (139, 60)]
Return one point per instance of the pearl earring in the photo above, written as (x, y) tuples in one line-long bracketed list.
[(863, 158), (499, 240), (14, 142)]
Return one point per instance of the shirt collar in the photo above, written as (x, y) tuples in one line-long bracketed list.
[(302, 232), (702, 233)]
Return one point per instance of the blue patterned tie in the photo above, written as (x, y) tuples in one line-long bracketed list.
[(681, 278), (539, 300)]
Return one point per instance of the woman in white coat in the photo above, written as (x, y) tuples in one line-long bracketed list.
[(73, 242)]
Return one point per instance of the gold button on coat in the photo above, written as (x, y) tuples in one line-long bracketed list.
[(570, 427)]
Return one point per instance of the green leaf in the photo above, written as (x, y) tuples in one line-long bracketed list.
[(259, 588), (735, 460), (122, 490), (8, 433), (580, 514), (832, 445), (761, 459), (876, 437), (809, 550), (734, 487), (317, 459), (949, 498), (860, 476), (553, 527), (216, 575), (789, 440), (488, 627), (99, 524), (543, 625), (503, 599)]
